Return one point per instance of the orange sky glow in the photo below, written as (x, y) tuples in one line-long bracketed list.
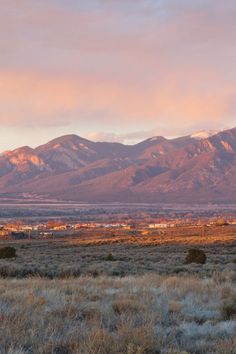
[(115, 70)]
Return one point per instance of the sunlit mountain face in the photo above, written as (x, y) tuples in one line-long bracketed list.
[(192, 168)]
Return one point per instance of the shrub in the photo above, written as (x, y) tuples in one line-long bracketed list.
[(7, 252), (228, 309), (175, 307), (128, 306), (195, 255), (117, 273), (8, 271), (69, 272), (110, 257)]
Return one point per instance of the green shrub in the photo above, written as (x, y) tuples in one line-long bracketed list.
[(110, 257), (195, 255), (7, 252)]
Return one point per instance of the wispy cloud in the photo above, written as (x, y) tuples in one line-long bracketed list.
[(128, 138)]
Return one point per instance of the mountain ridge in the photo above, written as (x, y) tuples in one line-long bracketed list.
[(184, 169)]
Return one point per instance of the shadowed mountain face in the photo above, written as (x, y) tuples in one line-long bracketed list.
[(194, 169)]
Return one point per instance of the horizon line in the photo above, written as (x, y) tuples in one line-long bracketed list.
[(214, 132)]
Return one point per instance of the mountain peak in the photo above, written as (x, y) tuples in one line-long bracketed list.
[(69, 138), (196, 168), (156, 138), (204, 134)]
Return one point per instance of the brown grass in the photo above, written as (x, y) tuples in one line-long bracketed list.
[(72, 257), (134, 315), (71, 298)]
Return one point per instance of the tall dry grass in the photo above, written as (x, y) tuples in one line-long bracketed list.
[(147, 314)]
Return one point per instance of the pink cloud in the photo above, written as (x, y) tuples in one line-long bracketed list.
[(44, 100), (118, 65)]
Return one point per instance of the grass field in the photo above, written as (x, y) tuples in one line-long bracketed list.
[(147, 314), (95, 295), (88, 254)]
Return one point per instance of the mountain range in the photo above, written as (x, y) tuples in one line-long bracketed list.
[(198, 168)]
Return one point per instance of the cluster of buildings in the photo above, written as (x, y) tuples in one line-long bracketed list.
[(53, 228), (19, 230)]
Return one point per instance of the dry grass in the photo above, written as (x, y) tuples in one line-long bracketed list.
[(72, 297), (66, 257), (186, 235), (132, 315)]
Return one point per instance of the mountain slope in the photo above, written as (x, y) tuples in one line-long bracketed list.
[(186, 169)]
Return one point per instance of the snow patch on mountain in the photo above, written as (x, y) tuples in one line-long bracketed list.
[(154, 138), (203, 134)]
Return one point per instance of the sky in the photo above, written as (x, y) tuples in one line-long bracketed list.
[(115, 70)]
